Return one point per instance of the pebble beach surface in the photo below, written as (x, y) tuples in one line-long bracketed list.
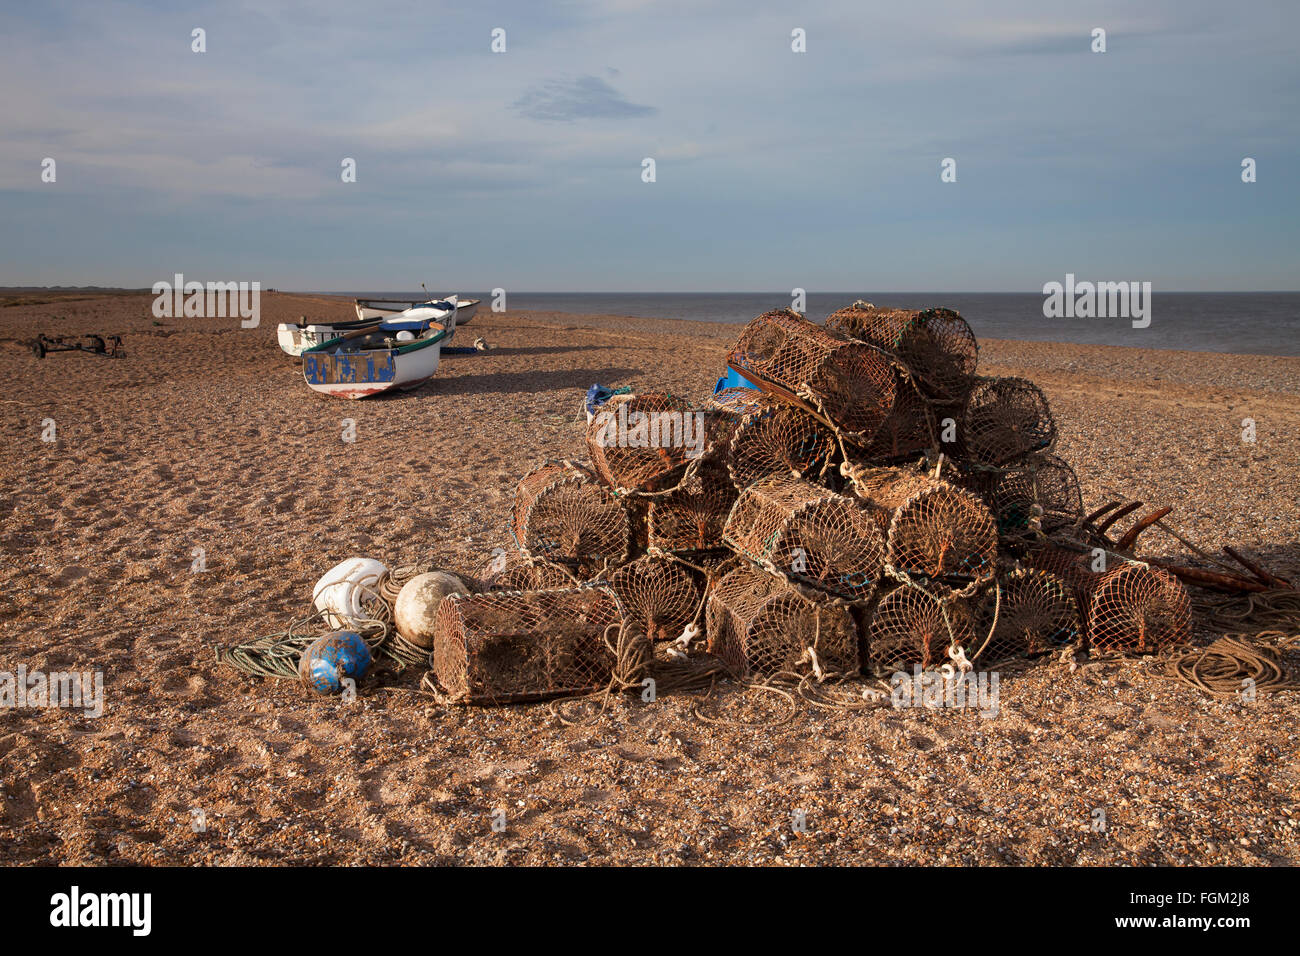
[(203, 448)]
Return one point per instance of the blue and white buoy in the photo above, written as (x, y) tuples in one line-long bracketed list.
[(331, 659)]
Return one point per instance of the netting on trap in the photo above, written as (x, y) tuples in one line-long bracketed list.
[(779, 440), (910, 627), (909, 428), (940, 537), (850, 384), (645, 441), (1006, 419), (739, 400), (689, 520), (1042, 488), (659, 594), (1035, 612), (937, 345), (562, 514), (1138, 609), (759, 626), (516, 646), (810, 536), (513, 571)]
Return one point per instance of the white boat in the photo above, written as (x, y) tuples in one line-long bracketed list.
[(382, 308), (376, 358), (295, 339)]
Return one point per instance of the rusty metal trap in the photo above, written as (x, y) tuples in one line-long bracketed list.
[(1006, 419), (1042, 489), (689, 520), (645, 442), (562, 514), (661, 595), (761, 627), (1029, 613), (513, 571), (936, 345), (820, 542), (940, 536), (506, 647), (910, 627), (778, 439), (849, 384)]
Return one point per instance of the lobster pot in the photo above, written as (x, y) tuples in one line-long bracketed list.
[(759, 626), (643, 442), (513, 571), (1042, 486), (937, 345), (779, 439), (908, 429), (940, 537), (563, 515), (515, 646), (811, 537), (739, 400), (689, 521), (660, 595), (1129, 607), (911, 628), (1137, 609), (1005, 420), (1037, 613), (850, 384)]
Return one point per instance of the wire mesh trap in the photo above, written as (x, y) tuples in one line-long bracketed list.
[(939, 536), (514, 571), (1034, 613), (778, 440), (1138, 609), (643, 441), (910, 627), (1006, 419), (810, 536), (937, 345), (689, 521), (660, 594), (909, 428), (759, 626), (1043, 488), (561, 514), (850, 384), (518, 646)]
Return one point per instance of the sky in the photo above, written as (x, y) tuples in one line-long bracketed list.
[(774, 169)]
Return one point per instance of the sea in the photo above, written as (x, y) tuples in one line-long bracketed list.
[(1250, 323)]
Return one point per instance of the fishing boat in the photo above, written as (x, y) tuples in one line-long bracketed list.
[(375, 358), (382, 308), (295, 338)]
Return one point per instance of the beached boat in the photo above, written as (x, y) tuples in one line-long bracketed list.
[(382, 308), (376, 358), (295, 339)]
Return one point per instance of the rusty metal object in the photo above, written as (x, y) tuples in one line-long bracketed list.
[(109, 346), (1130, 537)]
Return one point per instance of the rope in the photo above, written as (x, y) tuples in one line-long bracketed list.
[(1222, 669)]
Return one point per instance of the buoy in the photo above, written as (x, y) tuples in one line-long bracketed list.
[(417, 604), (345, 589), (333, 658)]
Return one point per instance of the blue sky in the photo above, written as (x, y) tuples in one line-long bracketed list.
[(774, 169)]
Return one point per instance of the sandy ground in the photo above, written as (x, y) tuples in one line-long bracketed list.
[(205, 437)]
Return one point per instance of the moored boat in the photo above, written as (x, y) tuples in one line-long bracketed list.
[(383, 308), (295, 338), (374, 359)]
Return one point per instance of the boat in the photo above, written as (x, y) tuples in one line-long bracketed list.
[(295, 339), (378, 357), (382, 308)]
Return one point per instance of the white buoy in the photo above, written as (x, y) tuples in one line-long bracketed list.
[(417, 604), (345, 589)]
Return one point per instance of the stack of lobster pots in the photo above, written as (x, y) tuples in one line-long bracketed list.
[(865, 504)]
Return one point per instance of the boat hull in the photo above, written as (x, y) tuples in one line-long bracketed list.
[(372, 372)]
